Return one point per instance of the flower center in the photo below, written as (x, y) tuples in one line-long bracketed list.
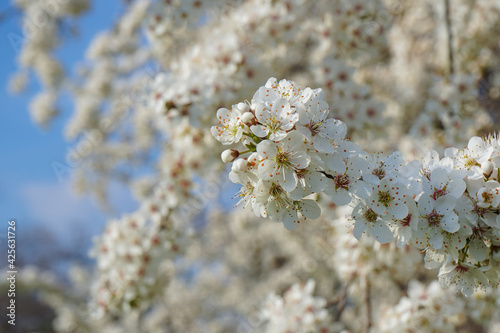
[(384, 197), (379, 172), (406, 221), (301, 173), (275, 190), (313, 128), (370, 215), (461, 269), (282, 159), (470, 162), (273, 125), (341, 181), (439, 193), (434, 218), (480, 211), (487, 197), (478, 232)]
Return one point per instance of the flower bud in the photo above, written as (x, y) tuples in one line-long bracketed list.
[(248, 119), (487, 168), (495, 251), (229, 155), (240, 165), (243, 107)]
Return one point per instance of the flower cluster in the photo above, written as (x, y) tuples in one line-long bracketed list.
[(134, 258), (426, 309), (297, 311), (292, 149), (448, 207), (387, 87)]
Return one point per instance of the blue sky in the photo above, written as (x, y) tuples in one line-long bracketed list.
[(30, 191)]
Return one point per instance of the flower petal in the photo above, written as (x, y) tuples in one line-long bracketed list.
[(310, 209), (259, 130), (359, 228), (382, 233), (450, 223), (267, 169)]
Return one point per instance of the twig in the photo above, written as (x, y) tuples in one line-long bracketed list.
[(340, 299), (450, 36), (367, 305)]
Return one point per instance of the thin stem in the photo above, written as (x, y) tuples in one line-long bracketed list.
[(367, 305), (451, 64), (340, 299)]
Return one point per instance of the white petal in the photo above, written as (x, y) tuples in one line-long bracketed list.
[(259, 130), (335, 162), (223, 115), (450, 223), (436, 241), (274, 211), (277, 135), (316, 181), (300, 160), (288, 179), (310, 209), (456, 187), (262, 113), (361, 189), (439, 178), (382, 233), (267, 148), (322, 144), (359, 228), (399, 210), (341, 197), (289, 220), (478, 249), (267, 169), (445, 204), (348, 149)]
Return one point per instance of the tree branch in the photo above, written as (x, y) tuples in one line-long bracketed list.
[(367, 305), (451, 64), (339, 300)]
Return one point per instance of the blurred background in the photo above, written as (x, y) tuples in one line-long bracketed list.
[(54, 224)]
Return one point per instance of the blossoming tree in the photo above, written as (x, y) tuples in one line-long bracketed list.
[(359, 126)]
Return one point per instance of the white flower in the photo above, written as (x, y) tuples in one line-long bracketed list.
[(367, 220), (273, 91), (297, 311), (466, 276), (488, 195), (472, 157), (343, 186), (317, 128), (275, 119), (404, 228), (382, 166), (229, 155), (280, 161), (230, 129), (437, 217), (309, 182), (441, 182), (240, 174), (389, 198), (275, 203)]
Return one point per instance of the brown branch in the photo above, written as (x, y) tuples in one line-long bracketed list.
[(367, 305), (451, 64), (340, 299)]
